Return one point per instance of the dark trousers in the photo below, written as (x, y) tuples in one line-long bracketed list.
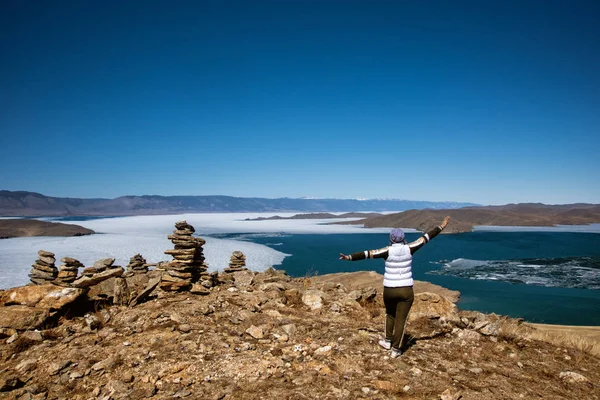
[(398, 301)]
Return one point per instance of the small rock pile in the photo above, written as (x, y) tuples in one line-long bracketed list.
[(137, 265), (68, 271), (188, 265), (99, 266), (236, 263), (43, 271)]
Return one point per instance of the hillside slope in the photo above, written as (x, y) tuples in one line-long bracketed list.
[(272, 337)]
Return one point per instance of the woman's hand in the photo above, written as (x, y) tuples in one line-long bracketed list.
[(446, 220), (344, 257)]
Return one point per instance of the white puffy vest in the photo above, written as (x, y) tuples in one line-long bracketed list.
[(398, 272)]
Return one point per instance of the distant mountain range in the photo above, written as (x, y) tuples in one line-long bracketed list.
[(21, 203)]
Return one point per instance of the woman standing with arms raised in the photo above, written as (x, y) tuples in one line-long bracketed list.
[(398, 292)]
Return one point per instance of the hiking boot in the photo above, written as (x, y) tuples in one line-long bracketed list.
[(396, 353), (386, 344)]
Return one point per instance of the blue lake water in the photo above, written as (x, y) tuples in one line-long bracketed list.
[(547, 277)]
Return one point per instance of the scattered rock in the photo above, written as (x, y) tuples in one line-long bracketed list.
[(34, 336), (152, 284), (323, 350), (92, 322), (26, 365), (243, 279), (10, 382), (256, 332), (75, 375), (450, 394), (58, 366), (572, 377), (12, 339), (491, 329), (289, 329), (313, 299), (384, 385)]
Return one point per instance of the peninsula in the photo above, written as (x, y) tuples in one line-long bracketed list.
[(10, 228), (464, 219)]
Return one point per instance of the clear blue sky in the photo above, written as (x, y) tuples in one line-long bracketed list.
[(483, 101)]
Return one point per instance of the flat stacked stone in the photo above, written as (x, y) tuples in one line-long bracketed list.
[(43, 271), (188, 265), (137, 264), (236, 263), (99, 266), (68, 271)]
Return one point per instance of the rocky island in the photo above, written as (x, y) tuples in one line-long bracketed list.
[(147, 333), (10, 228)]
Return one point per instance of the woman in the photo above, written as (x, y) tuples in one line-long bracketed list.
[(398, 292)]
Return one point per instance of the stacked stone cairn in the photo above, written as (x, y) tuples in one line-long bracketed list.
[(236, 263), (188, 266), (68, 271), (137, 265), (99, 266), (43, 271)]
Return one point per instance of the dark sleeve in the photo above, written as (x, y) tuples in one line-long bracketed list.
[(420, 242), (380, 253)]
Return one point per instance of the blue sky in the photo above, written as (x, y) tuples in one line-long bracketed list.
[(482, 101)]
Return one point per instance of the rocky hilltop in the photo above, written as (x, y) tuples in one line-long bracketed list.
[(464, 219), (30, 227), (130, 334)]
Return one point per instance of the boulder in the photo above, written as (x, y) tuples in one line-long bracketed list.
[(22, 318), (433, 306), (41, 296), (243, 278), (313, 299), (121, 294)]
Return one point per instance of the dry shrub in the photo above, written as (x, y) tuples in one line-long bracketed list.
[(52, 334), (374, 309), (293, 298), (511, 330), (22, 344)]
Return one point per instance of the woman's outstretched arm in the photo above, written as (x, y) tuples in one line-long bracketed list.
[(380, 253), (420, 242)]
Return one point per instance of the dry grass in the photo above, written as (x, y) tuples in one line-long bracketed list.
[(512, 331), (568, 340)]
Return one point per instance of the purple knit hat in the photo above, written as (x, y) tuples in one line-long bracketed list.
[(397, 235)]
